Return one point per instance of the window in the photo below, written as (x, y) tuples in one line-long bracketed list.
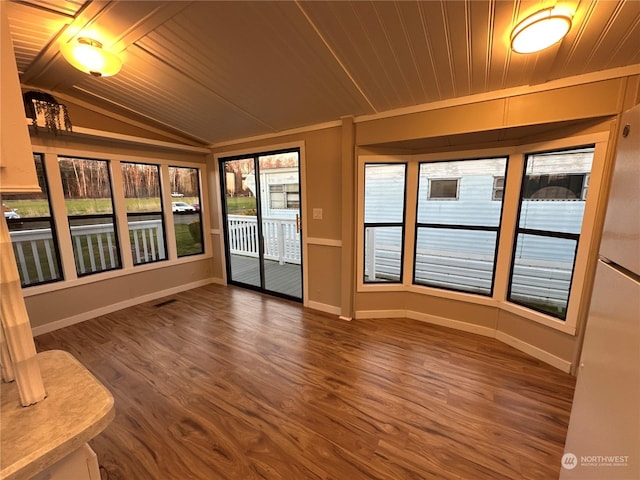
[(557, 186), (144, 212), (456, 242), (285, 196), (443, 189), (548, 232), (33, 233), (186, 213), (87, 191), (498, 188), (384, 189)]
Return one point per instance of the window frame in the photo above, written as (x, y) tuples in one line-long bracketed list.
[(444, 179), (496, 229), (285, 194), (401, 225), (181, 158), (578, 198), (497, 189), (546, 233), (199, 212), (52, 225), (113, 216), (161, 212)]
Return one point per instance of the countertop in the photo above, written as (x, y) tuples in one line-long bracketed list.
[(77, 408)]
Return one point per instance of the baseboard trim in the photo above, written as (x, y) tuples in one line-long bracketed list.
[(516, 343), (455, 324), (381, 314), (534, 351), (66, 322), (323, 307)]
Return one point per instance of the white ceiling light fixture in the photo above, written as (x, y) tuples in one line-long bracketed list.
[(88, 56), (541, 30)]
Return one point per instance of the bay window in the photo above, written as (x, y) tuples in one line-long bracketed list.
[(505, 225)]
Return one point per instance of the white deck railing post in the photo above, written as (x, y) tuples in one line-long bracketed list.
[(281, 241), (148, 244), (371, 252), (280, 244)]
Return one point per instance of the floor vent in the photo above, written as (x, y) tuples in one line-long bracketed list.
[(166, 302)]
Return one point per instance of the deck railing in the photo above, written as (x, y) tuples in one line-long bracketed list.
[(470, 272), (94, 246), (281, 240)]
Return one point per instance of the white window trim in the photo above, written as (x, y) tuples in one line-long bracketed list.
[(578, 297), (61, 220)]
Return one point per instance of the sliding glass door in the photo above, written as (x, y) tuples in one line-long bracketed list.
[(262, 222)]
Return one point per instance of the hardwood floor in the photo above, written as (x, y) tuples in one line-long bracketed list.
[(224, 383)]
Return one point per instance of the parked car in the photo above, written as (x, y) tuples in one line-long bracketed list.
[(10, 213), (196, 206), (181, 207), (177, 194)]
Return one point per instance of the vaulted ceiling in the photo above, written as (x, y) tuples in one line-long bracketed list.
[(216, 71)]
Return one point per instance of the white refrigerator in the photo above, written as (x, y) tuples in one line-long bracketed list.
[(603, 440)]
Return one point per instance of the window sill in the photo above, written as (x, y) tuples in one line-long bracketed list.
[(98, 277)]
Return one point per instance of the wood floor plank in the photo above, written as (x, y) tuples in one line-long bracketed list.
[(225, 383)]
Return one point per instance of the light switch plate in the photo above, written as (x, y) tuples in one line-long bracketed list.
[(317, 214)]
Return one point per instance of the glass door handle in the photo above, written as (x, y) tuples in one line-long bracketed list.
[(298, 224)]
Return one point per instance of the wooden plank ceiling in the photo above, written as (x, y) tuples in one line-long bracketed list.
[(216, 71)]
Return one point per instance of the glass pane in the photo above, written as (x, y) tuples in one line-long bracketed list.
[(36, 251), (280, 223), (146, 236), (95, 246), (141, 187), (144, 209), (242, 222), (86, 185), (384, 193), (455, 259), (87, 192), (475, 190), (185, 185), (542, 273), (383, 254), (554, 190)]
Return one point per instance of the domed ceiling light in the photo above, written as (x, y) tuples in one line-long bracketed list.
[(541, 30), (88, 56)]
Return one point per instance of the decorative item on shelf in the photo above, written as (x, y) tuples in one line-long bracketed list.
[(541, 30), (41, 108), (88, 56)]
